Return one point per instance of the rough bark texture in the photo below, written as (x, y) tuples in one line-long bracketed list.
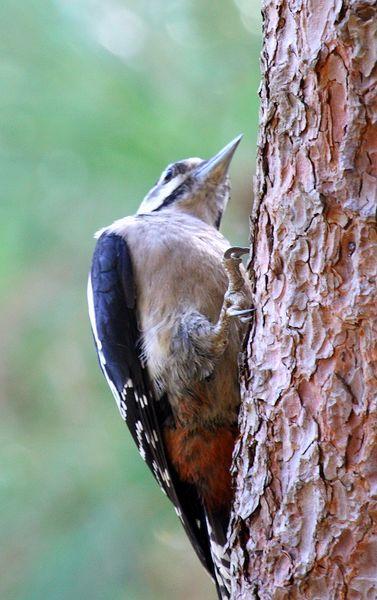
[(305, 514)]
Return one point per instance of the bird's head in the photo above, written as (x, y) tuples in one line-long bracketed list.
[(194, 186)]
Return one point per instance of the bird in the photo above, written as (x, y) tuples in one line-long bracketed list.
[(169, 302)]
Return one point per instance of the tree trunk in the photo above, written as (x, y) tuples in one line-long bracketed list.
[(305, 514)]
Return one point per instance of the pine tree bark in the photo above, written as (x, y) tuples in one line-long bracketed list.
[(305, 515)]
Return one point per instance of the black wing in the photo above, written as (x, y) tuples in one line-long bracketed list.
[(112, 310)]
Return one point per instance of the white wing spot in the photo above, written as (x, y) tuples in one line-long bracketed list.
[(128, 385), (166, 477), (178, 511), (157, 475), (123, 410), (139, 434)]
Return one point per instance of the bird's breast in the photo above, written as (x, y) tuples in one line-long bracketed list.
[(178, 266)]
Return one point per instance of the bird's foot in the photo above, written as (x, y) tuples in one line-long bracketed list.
[(237, 298)]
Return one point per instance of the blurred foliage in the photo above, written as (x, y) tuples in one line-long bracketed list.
[(97, 97)]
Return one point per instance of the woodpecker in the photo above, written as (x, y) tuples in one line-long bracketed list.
[(168, 305)]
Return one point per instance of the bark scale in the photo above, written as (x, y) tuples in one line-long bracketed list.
[(304, 523)]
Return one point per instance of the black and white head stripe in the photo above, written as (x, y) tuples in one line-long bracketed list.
[(112, 310), (178, 168), (173, 184)]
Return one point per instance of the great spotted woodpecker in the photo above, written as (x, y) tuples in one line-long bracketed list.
[(167, 303)]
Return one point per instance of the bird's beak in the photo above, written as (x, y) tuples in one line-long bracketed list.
[(215, 169)]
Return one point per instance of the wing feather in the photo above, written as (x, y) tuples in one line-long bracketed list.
[(112, 311)]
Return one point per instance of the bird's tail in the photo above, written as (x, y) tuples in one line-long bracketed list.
[(220, 554)]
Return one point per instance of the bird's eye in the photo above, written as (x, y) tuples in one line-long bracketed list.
[(169, 175)]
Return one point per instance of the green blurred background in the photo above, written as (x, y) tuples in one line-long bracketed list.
[(97, 96)]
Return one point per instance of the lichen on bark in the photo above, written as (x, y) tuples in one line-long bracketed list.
[(304, 523)]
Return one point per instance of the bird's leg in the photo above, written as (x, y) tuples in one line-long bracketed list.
[(197, 344), (236, 299)]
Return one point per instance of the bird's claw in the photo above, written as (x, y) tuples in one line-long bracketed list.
[(234, 312), (245, 321), (235, 252), (237, 298), (245, 316)]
